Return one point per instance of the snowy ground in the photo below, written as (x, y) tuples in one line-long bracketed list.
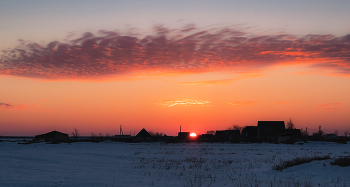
[(157, 164)]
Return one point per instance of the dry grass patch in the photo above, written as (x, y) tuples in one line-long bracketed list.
[(342, 161), (297, 161)]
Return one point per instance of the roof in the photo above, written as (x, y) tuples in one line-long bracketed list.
[(285, 134), (251, 128), (50, 134), (143, 133), (331, 136), (271, 128)]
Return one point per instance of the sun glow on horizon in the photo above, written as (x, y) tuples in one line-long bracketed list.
[(193, 135)]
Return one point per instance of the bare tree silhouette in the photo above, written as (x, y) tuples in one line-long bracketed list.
[(235, 127), (290, 124), (75, 134), (211, 132), (336, 132)]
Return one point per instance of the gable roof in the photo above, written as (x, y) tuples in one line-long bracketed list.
[(143, 133), (50, 134)]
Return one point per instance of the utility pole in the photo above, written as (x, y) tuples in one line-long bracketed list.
[(120, 130), (319, 133), (306, 135)]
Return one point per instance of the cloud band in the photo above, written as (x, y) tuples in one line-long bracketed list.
[(185, 50)]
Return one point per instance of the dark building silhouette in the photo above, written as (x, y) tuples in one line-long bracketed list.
[(232, 135), (170, 139), (220, 136), (143, 136), (290, 136), (295, 134), (268, 131), (53, 136), (183, 136), (206, 137), (228, 135), (122, 138), (250, 134)]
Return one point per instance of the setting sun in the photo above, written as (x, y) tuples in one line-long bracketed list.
[(193, 134)]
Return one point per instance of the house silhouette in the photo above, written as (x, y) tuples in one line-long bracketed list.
[(143, 136), (268, 131), (53, 136)]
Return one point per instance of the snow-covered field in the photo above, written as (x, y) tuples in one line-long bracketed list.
[(157, 164)]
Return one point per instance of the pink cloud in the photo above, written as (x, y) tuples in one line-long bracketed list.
[(208, 83), (21, 107), (330, 109), (218, 82), (183, 50), (329, 105)]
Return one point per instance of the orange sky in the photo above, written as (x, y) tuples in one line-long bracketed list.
[(163, 103), (203, 65)]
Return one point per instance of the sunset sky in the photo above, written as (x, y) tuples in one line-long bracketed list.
[(204, 65)]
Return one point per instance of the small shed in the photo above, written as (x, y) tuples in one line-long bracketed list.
[(183, 136), (295, 134), (284, 137), (53, 136)]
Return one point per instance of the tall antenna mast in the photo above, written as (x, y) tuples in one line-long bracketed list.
[(120, 130)]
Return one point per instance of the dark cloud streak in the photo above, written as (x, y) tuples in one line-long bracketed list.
[(184, 50), (6, 105)]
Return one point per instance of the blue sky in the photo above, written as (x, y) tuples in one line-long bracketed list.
[(47, 20)]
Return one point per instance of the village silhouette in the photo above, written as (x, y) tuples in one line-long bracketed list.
[(264, 131)]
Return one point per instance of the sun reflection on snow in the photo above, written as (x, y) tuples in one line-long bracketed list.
[(183, 102)]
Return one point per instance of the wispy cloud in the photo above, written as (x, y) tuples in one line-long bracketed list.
[(183, 102), (6, 105), (23, 107), (183, 50), (240, 103), (329, 106), (208, 83), (330, 109), (218, 82)]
